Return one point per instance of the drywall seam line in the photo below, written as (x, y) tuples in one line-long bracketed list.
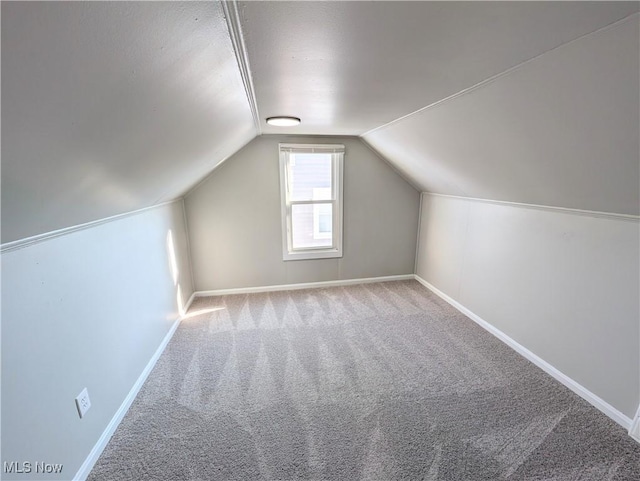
[(415, 262), (596, 401), (498, 75), (303, 285), (29, 241), (566, 210), (234, 25)]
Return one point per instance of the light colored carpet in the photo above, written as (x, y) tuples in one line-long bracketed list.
[(375, 381)]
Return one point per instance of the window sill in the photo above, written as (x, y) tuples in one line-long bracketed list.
[(312, 254)]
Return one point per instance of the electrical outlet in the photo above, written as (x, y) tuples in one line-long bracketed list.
[(83, 403)]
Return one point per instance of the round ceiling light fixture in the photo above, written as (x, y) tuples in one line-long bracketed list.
[(283, 121)]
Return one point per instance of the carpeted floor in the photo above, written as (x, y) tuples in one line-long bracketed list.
[(376, 381)]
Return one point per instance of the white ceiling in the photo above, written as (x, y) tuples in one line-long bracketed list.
[(109, 107), (562, 130), (348, 67)]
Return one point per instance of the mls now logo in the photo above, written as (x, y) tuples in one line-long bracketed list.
[(27, 467)]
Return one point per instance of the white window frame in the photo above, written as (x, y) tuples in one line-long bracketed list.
[(337, 167), (317, 234)]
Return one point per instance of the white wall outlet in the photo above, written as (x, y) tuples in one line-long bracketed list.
[(83, 403)]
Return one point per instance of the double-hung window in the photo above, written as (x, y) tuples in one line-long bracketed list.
[(311, 192)]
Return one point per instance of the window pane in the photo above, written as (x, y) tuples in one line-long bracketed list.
[(324, 223), (310, 176), (312, 225)]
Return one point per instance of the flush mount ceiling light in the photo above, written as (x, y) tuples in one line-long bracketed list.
[(281, 121)]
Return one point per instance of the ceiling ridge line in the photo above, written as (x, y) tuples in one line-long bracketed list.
[(486, 81), (232, 17)]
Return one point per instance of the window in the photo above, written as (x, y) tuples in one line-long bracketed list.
[(311, 192)]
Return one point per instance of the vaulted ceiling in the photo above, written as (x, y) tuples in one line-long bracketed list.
[(349, 67), (110, 107)]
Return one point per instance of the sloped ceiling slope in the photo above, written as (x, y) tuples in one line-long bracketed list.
[(109, 107), (348, 67), (561, 130)]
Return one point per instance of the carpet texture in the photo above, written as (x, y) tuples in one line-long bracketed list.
[(377, 381)]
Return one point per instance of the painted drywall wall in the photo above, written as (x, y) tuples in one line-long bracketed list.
[(560, 130), (87, 309), (563, 285), (235, 226)]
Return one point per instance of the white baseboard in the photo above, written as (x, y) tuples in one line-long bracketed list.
[(306, 285), (580, 390), (95, 453), (610, 411), (634, 430)]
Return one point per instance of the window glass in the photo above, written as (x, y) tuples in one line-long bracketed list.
[(311, 192), (305, 224), (310, 177)]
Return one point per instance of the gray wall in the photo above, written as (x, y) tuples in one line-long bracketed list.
[(560, 130), (87, 309), (563, 285), (235, 228), (109, 107)]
